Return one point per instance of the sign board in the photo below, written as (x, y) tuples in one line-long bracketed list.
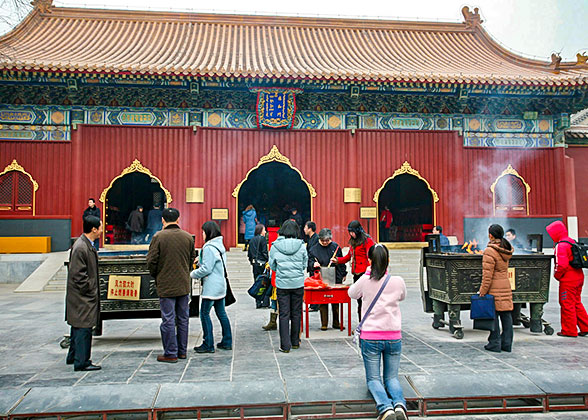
[(512, 277), (220, 214), (352, 195), (124, 287), (195, 195), (368, 212)]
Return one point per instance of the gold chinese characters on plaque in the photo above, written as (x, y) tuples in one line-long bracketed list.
[(124, 287), (352, 195), (220, 214), (512, 277), (195, 195), (368, 212)]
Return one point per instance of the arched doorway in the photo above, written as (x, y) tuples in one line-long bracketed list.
[(274, 187), (411, 200), (17, 190), (134, 187)]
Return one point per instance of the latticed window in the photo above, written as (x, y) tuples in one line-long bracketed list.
[(510, 194), (16, 193)]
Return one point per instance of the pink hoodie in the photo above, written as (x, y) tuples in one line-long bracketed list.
[(385, 320)]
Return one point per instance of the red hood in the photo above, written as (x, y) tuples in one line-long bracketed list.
[(557, 231)]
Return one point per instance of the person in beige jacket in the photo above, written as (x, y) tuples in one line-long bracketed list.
[(495, 282)]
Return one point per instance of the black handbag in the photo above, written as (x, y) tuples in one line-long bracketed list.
[(484, 324), (229, 297)]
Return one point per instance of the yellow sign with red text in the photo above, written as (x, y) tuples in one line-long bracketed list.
[(124, 287), (511, 277)]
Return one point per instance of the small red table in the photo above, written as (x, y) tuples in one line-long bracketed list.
[(335, 295)]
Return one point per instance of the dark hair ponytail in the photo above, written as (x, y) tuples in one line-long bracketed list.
[(380, 257), (498, 232)]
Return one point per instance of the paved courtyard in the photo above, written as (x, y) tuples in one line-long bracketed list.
[(31, 327)]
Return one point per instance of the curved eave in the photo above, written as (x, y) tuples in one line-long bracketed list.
[(424, 79)]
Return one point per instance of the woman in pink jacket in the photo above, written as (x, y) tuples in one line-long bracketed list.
[(381, 336)]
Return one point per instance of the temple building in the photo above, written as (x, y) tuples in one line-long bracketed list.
[(338, 118)]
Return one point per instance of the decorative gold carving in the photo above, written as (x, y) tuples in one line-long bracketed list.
[(195, 195), (407, 169), (471, 19), (274, 155), (44, 6), (352, 195), (368, 212), (582, 59), (14, 166), (510, 171), (136, 166)]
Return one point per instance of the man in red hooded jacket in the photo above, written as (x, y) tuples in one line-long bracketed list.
[(571, 280)]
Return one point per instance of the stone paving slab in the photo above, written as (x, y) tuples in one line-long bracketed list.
[(331, 389), (474, 385), (561, 381), (9, 398), (211, 394), (95, 398)]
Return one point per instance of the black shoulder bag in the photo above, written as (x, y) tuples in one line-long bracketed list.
[(230, 297)]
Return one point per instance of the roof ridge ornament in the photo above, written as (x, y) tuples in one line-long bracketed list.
[(44, 6), (555, 62), (472, 20), (582, 58)]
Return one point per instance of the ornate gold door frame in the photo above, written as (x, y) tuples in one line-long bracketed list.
[(406, 169), (14, 166), (136, 166), (274, 155)]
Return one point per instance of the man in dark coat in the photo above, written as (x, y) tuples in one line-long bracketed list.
[(170, 258), (93, 210), (154, 221), (297, 218), (135, 225), (320, 256), (82, 300)]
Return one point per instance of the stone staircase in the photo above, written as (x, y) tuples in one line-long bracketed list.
[(57, 282), (403, 262), (406, 263), (239, 270)]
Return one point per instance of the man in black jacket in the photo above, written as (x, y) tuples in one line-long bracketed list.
[(320, 256), (93, 210)]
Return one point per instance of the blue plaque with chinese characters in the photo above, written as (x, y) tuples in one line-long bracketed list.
[(276, 107)]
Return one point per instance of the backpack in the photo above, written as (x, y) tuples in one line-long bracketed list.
[(579, 254)]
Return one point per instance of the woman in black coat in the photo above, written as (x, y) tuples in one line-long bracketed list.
[(257, 252)]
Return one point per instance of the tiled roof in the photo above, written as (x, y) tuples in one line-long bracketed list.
[(85, 40)]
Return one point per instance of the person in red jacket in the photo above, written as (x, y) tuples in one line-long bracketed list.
[(571, 280), (360, 243)]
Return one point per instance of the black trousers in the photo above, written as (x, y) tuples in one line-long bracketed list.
[(496, 339), (355, 278), (80, 347), (290, 310)]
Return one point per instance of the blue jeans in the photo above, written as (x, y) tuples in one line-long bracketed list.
[(221, 314), (387, 394), (174, 314)]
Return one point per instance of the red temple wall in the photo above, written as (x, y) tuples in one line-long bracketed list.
[(49, 163), (580, 156), (219, 159)]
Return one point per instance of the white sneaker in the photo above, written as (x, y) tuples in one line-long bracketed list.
[(400, 412), (389, 414)]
